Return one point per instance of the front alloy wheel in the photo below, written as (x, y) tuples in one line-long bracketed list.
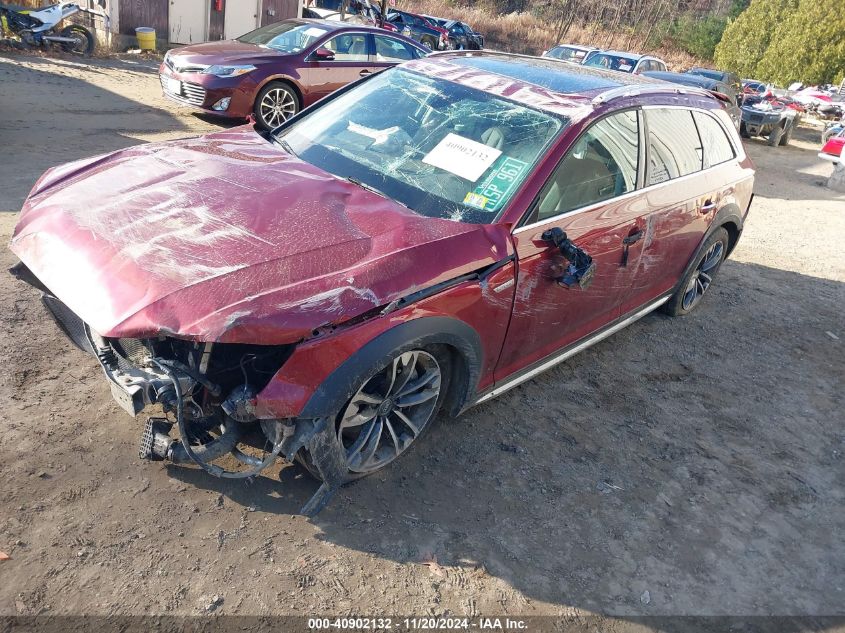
[(389, 411), (275, 105)]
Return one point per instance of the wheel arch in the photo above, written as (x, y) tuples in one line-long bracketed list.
[(285, 79), (462, 340), (728, 218)]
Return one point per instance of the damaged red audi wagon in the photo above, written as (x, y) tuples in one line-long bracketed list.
[(422, 240)]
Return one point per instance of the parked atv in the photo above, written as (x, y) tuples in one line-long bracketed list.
[(773, 119)]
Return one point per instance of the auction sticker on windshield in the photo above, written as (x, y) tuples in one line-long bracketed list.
[(462, 156)]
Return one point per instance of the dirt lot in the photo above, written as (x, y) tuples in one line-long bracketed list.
[(698, 459)]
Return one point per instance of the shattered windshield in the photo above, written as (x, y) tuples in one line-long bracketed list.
[(439, 148), (286, 37)]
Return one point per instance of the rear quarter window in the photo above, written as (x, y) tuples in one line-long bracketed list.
[(674, 147), (715, 143)]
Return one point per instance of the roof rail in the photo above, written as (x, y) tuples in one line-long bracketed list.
[(633, 90)]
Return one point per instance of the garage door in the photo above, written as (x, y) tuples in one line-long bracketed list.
[(188, 21), (241, 17)]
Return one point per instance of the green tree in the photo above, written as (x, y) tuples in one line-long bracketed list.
[(808, 46), (747, 38), (698, 35)]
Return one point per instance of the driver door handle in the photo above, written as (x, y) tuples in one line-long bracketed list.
[(365, 72), (707, 207)]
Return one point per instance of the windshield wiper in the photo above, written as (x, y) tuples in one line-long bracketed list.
[(285, 145), (372, 189)]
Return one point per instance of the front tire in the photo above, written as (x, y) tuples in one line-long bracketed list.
[(389, 411), (787, 136), (84, 44), (700, 277), (775, 136), (275, 104)]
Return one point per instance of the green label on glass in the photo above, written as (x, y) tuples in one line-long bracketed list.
[(497, 186)]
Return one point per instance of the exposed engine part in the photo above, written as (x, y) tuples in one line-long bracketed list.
[(240, 405), (156, 442)]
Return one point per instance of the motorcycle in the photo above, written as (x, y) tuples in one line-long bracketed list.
[(38, 28), (833, 129)]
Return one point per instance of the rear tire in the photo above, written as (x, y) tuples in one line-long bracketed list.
[(84, 44), (420, 377), (275, 104), (429, 41), (743, 131), (700, 277)]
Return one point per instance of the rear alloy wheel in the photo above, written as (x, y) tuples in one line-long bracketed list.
[(276, 103), (700, 277), (388, 412)]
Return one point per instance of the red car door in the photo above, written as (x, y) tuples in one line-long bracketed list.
[(588, 198), (675, 214), (351, 62)]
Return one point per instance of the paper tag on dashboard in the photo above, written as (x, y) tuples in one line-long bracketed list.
[(462, 156)]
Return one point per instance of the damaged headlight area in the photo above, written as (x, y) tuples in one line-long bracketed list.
[(205, 390)]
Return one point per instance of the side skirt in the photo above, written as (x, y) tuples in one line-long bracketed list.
[(567, 352)]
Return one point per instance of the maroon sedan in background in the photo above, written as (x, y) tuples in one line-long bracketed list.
[(277, 70)]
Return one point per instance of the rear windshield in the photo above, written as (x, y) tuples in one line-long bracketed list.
[(287, 37), (612, 62), (439, 148), (567, 53)]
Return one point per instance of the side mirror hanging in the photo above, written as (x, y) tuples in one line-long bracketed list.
[(581, 269)]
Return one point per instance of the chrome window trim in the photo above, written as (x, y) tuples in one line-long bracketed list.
[(596, 205)]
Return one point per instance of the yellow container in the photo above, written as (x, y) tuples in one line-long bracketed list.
[(146, 38)]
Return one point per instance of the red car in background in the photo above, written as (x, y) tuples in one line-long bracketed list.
[(834, 149), (279, 69), (424, 239)]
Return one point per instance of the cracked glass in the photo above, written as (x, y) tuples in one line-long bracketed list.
[(439, 148)]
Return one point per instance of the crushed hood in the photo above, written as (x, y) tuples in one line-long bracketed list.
[(228, 238)]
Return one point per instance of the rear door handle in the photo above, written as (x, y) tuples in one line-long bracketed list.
[(364, 73), (633, 238)]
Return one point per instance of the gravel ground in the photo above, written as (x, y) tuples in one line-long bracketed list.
[(683, 466)]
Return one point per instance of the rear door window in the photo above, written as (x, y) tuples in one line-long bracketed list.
[(674, 148), (717, 147), (392, 50)]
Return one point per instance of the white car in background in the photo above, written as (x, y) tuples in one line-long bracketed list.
[(573, 53), (626, 62)]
